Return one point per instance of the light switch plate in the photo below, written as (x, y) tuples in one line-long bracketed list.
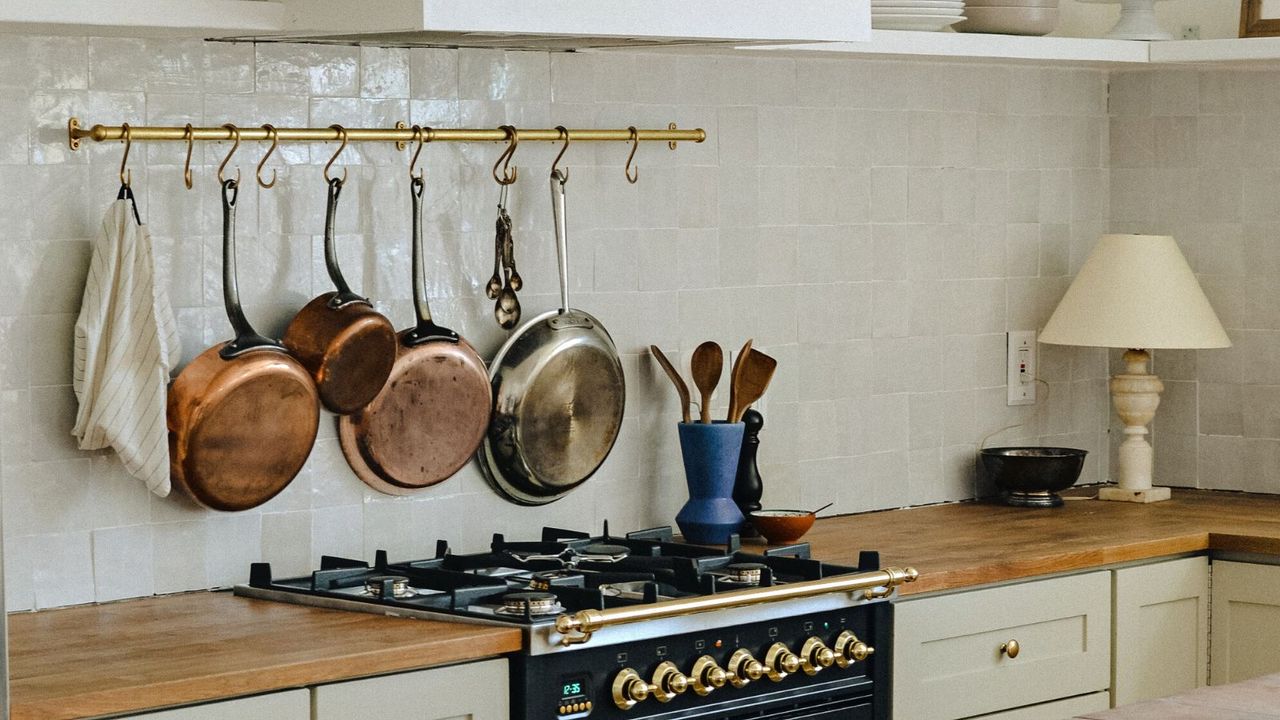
[(1022, 368)]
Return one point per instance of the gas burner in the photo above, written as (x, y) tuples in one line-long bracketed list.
[(603, 552), (545, 579), (743, 573), (399, 586), (530, 603)]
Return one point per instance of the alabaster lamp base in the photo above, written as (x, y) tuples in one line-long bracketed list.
[(1136, 395)]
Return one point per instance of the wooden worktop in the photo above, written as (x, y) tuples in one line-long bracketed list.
[(968, 544), (140, 654)]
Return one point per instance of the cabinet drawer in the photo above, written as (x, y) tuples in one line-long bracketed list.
[(948, 661), (288, 705), (475, 691)]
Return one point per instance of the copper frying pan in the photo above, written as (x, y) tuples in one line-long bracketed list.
[(432, 414), (346, 345), (243, 415)]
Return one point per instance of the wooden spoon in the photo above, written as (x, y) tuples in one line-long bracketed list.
[(753, 379), (708, 364), (734, 380), (681, 388)]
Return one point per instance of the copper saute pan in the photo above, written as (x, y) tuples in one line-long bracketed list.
[(243, 415), (346, 345), (432, 413), (558, 395)]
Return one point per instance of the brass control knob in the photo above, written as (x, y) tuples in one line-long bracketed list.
[(780, 662), (629, 688), (707, 675), (668, 681), (743, 668), (815, 656), (849, 649)]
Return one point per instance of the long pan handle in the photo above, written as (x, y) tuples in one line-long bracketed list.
[(578, 627), (558, 179), (426, 329), (344, 295), (246, 338)]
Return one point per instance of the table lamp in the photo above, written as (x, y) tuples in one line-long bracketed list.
[(1135, 292)]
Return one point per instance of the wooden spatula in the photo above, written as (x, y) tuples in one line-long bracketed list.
[(734, 380), (753, 378), (708, 364), (681, 388)]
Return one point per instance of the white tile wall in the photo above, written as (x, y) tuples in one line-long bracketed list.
[(876, 226), (1194, 156)]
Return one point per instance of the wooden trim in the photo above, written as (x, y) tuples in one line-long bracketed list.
[(1252, 24)]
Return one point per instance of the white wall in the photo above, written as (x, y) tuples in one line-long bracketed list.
[(1216, 18), (875, 226)]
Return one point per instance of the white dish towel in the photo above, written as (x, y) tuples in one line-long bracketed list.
[(126, 342)]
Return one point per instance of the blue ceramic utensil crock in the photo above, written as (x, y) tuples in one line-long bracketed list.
[(710, 464)]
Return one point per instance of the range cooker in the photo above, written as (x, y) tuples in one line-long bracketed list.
[(641, 626)]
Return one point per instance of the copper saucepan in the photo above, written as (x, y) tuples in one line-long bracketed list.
[(432, 414), (346, 345), (243, 415)]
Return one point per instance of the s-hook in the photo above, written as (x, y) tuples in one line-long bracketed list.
[(126, 175), (188, 134), (342, 135), (509, 173), (632, 172), (274, 135), (419, 134), (555, 164), (235, 136)]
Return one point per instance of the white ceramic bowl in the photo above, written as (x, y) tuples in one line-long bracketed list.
[(1009, 20), (1012, 3)]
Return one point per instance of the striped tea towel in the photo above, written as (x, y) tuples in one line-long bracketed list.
[(126, 343)]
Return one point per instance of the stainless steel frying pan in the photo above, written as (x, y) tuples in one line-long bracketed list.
[(558, 395)]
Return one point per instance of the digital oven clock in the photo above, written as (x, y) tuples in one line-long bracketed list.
[(575, 698)]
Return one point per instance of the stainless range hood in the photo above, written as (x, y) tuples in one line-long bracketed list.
[(568, 24)]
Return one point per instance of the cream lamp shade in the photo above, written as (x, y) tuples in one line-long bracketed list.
[(1135, 292)]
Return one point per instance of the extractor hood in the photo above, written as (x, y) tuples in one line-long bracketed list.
[(569, 24)]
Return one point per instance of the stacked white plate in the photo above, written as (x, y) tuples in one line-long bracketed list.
[(916, 14)]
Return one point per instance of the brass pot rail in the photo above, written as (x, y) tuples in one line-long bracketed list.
[(401, 134), (578, 627)]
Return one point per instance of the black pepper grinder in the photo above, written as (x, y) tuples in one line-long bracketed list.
[(747, 486)]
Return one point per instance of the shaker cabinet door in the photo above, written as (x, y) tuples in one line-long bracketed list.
[(473, 691), (1246, 622), (1161, 615), (289, 705)]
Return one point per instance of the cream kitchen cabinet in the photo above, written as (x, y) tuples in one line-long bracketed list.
[(1058, 709), (288, 705), (475, 691), (1246, 621), (987, 651), (1161, 631)]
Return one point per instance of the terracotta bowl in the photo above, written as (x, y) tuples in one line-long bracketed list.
[(782, 526)]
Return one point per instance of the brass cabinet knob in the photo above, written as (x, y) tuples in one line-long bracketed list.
[(780, 662), (815, 656), (743, 668), (707, 675), (1011, 648), (849, 649), (629, 688), (668, 681)]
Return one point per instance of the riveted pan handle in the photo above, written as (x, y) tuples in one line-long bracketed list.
[(246, 338), (558, 179), (425, 329), (344, 296)]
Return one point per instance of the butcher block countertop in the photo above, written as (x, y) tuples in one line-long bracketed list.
[(968, 544), (141, 654)]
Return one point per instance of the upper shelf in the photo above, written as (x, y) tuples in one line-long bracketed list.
[(142, 17), (1088, 52)]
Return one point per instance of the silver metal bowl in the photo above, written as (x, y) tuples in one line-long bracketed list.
[(1033, 476)]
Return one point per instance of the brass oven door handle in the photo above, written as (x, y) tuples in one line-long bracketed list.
[(578, 627)]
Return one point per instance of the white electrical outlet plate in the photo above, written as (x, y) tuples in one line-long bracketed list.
[(1022, 368)]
